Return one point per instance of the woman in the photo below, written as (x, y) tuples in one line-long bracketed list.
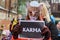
[(50, 21), (34, 14)]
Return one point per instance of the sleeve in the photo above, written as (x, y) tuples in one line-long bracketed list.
[(46, 32)]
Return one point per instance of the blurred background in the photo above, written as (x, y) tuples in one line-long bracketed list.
[(10, 9)]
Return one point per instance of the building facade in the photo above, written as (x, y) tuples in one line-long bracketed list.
[(55, 7), (8, 9)]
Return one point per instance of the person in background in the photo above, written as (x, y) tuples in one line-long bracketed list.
[(49, 20), (58, 27), (15, 28), (6, 35), (44, 12), (3, 35), (52, 19)]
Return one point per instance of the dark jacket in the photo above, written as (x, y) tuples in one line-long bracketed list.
[(54, 31)]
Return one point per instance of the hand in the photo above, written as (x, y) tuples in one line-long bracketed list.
[(45, 29)]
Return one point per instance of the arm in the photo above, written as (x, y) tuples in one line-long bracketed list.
[(46, 32)]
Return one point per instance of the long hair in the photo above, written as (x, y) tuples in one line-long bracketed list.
[(44, 11)]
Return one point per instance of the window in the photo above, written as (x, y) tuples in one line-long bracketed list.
[(55, 1), (58, 7), (2, 3), (14, 6)]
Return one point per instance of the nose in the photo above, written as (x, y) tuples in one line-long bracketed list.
[(33, 13)]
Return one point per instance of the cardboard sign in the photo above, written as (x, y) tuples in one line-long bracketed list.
[(31, 29)]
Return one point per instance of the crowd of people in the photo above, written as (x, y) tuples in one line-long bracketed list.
[(37, 11)]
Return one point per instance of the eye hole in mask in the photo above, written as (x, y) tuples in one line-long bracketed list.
[(30, 13), (34, 13)]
